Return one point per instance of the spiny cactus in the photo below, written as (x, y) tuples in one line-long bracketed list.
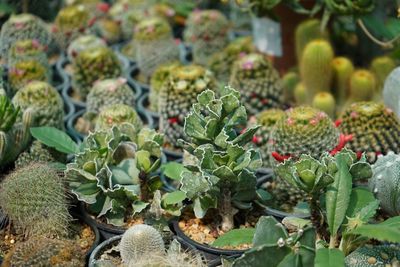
[(342, 70), (374, 256), (82, 43), (108, 29), (38, 152), (34, 199), (207, 32), (94, 64), (300, 94), (316, 68), (27, 49), (258, 82), (154, 44), (362, 86), (391, 91), (375, 129), (23, 27), (43, 101), (42, 251), (177, 97), (221, 62), (158, 78), (127, 15), (306, 32), (117, 114), (289, 82), (381, 68), (140, 241), (326, 102)]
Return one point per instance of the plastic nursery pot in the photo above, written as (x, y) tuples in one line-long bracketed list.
[(58, 80), (142, 105), (99, 250), (67, 92), (173, 155), (69, 110), (132, 74), (71, 125), (185, 53), (210, 253), (60, 66)]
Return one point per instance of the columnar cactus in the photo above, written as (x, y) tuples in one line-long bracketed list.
[(385, 183), (35, 201), (82, 43), (117, 114), (207, 32), (342, 70), (23, 27), (391, 95), (326, 102), (177, 96), (43, 101), (362, 86), (374, 256), (258, 82), (155, 45), (38, 152), (375, 129), (381, 68), (94, 64)]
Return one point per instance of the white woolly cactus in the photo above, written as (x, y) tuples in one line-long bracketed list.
[(82, 43), (140, 241)]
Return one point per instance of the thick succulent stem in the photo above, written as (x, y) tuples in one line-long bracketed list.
[(226, 211), (316, 218), (144, 189)]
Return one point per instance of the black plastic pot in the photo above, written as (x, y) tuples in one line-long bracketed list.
[(142, 105), (98, 251), (66, 94), (58, 80), (173, 155), (131, 76)]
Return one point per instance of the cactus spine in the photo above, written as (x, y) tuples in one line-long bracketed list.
[(342, 70), (326, 102)]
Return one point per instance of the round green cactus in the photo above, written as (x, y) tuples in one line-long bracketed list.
[(381, 68), (34, 199), (300, 94), (375, 129), (94, 64), (27, 49), (177, 97), (82, 43), (43, 101), (342, 70), (374, 256), (127, 15), (258, 82), (207, 32), (23, 72), (117, 114), (108, 29), (289, 81), (362, 86), (140, 241), (326, 102)]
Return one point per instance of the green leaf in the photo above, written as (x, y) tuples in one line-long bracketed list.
[(359, 198), (268, 231), (262, 256), (388, 230), (173, 197), (173, 170), (53, 137), (326, 257), (235, 237), (360, 170)]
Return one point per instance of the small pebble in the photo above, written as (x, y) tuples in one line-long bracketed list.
[(371, 260), (12, 241)]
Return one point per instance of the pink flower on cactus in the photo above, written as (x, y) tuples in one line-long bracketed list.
[(19, 25), (353, 114), (248, 65), (290, 121), (242, 54), (109, 120), (35, 43), (170, 12), (151, 29), (314, 121), (112, 88)]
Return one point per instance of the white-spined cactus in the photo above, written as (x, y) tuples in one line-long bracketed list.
[(82, 43)]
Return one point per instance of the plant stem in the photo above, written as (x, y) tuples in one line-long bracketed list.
[(316, 218), (226, 210), (387, 44), (332, 241), (25, 6), (144, 190)]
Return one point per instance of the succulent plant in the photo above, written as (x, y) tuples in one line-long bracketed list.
[(140, 241), (117, 114), (391, 95), (43, 101), (42, 251), (111, 173), (223, 176), (342, 71), (207, 32), (300, 94), (127, 15), (22, 27), (108, 29), (381, 68), (289, 81), (385, 183), (315, 67), (82, 43), (371, 256), (362, 87), (356, 8), (221, 62), (177, 97), (326, 102), (27, 49), (154, 44), (374, 127), (38, 152), (258, 82), (158, 78), (23, 72), (94, 64), (35, 201)]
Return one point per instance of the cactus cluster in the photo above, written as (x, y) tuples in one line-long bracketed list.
[(177, 97), (374, 256), (258, 82), (43, 101), (38, 152), (207, 32), (35, 201), (154, 44), (117, 114), (94, 64), (82, 43), (375, 129)]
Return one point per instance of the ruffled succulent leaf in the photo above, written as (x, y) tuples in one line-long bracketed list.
[(193, 184), (246, 136), (287, 171), (124, 150), (360, 170), (205, 97), (202, 204), (230, 103), (126, 172), (139, 206)]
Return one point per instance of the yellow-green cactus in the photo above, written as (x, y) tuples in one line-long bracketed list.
[(300, 94), (342, 70), (82, 43), (117, 114), (23, 72), (326, 102), (381, 67), (362, 87), (290, 80)]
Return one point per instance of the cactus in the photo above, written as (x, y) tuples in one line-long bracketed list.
[(94, 64), (140, 241), (306, 32), (381, 68), (207, 32), (391, 95), (300, 94), (375, 129), (289, 81), (34, 199), (374, 256), (117, 114), (154, 44), (326, 102), (258, 82), (316, 68), (221, 62), (43, 101), (342, 70), (177, 97), (22, 27), (27, 49), (38, 152), (362, 87), (42, 251), (82, 43), (108, 29), (127, 15)]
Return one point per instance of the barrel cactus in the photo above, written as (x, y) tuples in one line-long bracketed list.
[(177, 97), (127, 15), (207, 32), (43, 101), (326, 102), (94, 64), (38, 152), (391, 91), (258, 82), (375, 129), (82, 43), (362, 86), (342, 70), (117, 114), (27, 49), (140, 241), (108, 29), (374, 256), (34, 199), (154, 44)]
